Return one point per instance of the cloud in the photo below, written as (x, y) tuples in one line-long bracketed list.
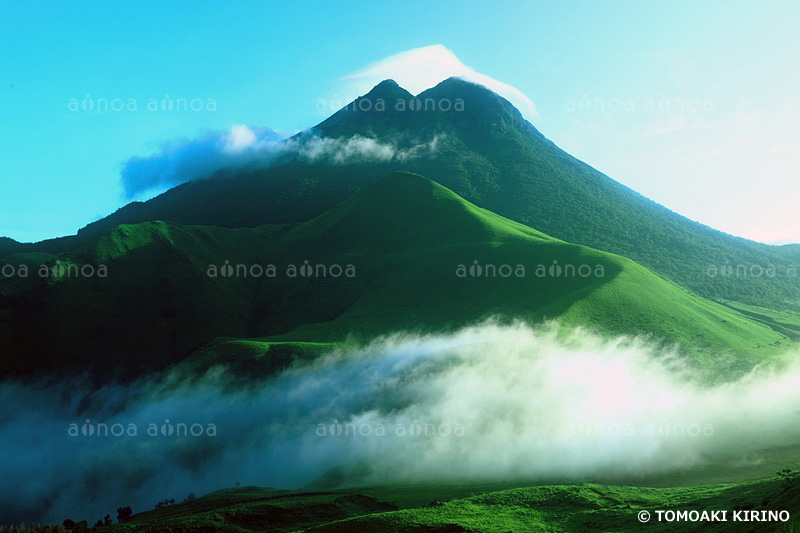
[(199, 158), (422, 68), (184, 160), (485, 403), (775, 235), (180, 161), (359, 148)]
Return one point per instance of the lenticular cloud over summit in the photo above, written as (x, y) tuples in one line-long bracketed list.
[(422, 68)]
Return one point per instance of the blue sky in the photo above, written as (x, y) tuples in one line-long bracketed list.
[(694, 104)]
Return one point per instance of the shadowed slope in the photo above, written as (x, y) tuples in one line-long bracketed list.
[(489, 154), (403, 254)]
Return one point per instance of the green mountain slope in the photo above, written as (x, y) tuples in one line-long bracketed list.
[(402, 254), (7, 246), (467, 508), (588, 507), (488, 153)]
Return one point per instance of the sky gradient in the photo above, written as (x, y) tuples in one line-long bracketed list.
[(692, 105)]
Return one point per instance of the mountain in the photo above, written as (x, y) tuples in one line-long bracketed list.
[(7, 246), (404, 253), (468, 507), (476, 143)]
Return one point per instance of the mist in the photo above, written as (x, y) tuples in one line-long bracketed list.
[(180, 161), (490, 402)]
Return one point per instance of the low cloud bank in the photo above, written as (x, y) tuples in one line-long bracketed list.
[(486, 403), (180, 161), (191, 159)]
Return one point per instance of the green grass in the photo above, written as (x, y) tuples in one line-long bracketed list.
[(786, 322), (405, 237), (497, 507), (588, 507), (250, 359), (489, 154), (413, 252)]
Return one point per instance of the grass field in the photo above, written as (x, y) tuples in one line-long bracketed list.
[(431, 262), (413, 261), (498, 507)]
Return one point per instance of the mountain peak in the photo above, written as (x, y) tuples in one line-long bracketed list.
[(8, 245), (453, 101), (348, 120), (388, 90), (388, 82), (480, 102), (458, 86), (406, 210), (458, 81)]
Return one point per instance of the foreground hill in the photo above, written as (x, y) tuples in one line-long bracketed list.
[(485, 151), (476, 508), (403, 254)]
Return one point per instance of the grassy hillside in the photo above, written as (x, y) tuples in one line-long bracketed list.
[(580, 508), (414, 248), (626, 299), (490, 155), (485, 508)]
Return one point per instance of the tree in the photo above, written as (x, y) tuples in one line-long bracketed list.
[(789, 477), (165, 503), (71, 525), (124, 513)]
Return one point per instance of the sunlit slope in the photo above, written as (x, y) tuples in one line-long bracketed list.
[(489, 154), (467, 508), (411, 255), (586, 507), (421, 250), (633, 304)]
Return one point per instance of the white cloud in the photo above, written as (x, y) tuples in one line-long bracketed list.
[(774, 235), (183, 160), (486, 403), (186, 160), (359, 148), (240, 138), (422, 68)]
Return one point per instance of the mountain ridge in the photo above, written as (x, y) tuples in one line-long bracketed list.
[(490, 155), (185, 286)]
